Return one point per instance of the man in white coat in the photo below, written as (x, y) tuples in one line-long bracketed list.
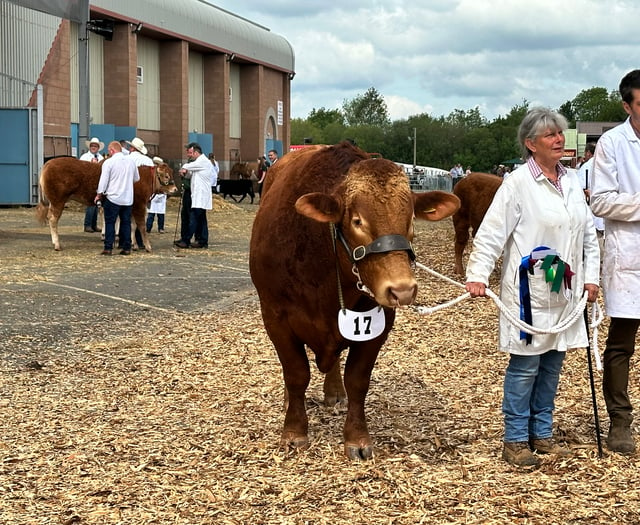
[(198, 170), (615, 196)]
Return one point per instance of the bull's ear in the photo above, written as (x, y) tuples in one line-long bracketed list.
[(435, 205), (320, 207)]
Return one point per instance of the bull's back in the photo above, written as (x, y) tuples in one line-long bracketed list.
[(67, 178)]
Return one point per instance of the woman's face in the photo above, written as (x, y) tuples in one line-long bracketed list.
[(548, 146)]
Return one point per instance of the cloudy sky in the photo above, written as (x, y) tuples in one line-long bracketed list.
[(435, 56)]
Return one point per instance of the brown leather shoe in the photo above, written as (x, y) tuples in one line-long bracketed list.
[(106, 252), (519, 454), (549, 446), (125, 252)]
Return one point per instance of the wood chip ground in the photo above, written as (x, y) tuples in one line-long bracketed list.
[(178, 423)]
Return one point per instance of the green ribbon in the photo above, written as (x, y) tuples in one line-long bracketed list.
[(551, 275)]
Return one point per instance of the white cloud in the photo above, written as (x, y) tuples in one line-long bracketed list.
[(436, 56)]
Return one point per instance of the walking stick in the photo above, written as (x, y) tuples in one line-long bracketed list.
[(593, 386), (175, 233)]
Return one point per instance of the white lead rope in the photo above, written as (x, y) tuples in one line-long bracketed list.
[(596, 314)]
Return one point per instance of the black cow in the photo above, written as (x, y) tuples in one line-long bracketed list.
[(230, 187)]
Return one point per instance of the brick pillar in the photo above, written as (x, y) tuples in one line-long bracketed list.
[(174, 98), (253, 110), (120, 86), (216, 103)]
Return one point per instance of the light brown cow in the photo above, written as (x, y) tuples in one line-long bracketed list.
[(66, 178), (305, 276), (475, 192)]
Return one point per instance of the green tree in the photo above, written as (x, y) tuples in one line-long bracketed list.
[(369, 109), (323, 117)]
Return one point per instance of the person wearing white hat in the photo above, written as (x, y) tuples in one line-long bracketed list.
[(138, 152), (93, 155)]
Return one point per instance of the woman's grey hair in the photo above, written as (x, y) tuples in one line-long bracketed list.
[(536, 122)]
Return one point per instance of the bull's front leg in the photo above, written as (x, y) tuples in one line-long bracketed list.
[(357, 376)]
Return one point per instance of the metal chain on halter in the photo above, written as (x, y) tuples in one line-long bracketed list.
[(332, 227)]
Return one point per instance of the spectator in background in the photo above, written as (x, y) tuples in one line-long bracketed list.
[(615, 196), (585, 174), (93, 155), (215, 171), (157, 206), (273, 157), (263, 166)]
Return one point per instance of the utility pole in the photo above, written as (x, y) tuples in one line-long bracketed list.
[(414, 149), (83, 70)]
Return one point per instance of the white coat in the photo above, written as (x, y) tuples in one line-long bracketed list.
[(200, 170), (615, 196), (526, 213), (158, 204)]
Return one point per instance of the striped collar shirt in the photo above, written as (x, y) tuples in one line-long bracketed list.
[(536, 172)]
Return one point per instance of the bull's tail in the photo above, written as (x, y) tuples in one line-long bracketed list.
[(43, 206), (41, 211)]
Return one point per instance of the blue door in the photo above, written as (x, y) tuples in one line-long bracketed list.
[(16, 178)]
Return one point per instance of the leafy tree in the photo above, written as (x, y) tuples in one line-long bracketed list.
[(303, 128), (369, 109), (322, 117)]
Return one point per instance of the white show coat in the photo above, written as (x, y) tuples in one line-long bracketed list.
[(527, 213), (615, 196), (158, 204), (200, 170)]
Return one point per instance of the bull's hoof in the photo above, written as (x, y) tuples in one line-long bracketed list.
[(57, 248), (356, 452), (298, 443)]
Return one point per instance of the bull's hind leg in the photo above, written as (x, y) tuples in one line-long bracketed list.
[(461, 229), (53, 215), (297, 374), (139, 222)]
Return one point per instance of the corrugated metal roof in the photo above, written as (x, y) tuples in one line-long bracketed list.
[(200, 22)]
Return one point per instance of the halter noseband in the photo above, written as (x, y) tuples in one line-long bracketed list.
[(383, 244)]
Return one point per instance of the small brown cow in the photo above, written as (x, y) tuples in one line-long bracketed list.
[(330, 256), (66, 178), (475, 192)]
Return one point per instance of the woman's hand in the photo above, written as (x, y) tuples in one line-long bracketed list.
[(475, 289)]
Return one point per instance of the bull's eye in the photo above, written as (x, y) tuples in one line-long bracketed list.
[(357, 221)]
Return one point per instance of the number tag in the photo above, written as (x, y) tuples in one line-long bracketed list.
[(361, 326)]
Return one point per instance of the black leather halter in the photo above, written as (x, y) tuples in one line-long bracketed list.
[(383, 244)]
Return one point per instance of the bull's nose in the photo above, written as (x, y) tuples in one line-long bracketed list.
[(402, 295)]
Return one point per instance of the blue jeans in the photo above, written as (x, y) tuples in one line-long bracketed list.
[(530, 386), (150, 219), (91, 217), (198, 227), (111, 213)]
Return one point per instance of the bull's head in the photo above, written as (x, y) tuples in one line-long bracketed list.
[(373, 213), (164, 178)]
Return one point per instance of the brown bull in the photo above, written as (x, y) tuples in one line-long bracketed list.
[(475, 192), (307, 278), (66, 178)]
